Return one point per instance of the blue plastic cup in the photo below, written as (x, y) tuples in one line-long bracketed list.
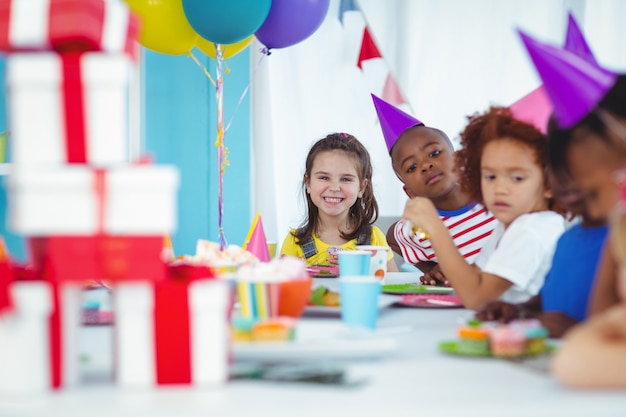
[(359, 300), (354, 262)]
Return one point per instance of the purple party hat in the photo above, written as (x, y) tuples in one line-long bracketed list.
[(575, 41), (393, 121), (575, 86)]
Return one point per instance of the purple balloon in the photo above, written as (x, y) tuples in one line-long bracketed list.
[(291, 21)]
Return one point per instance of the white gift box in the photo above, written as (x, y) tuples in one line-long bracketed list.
[(78, 200), (68, 25), (68, 108), (25, 343), (135, 340)]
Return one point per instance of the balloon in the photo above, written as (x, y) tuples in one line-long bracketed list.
[(164, 27), (291, 21), (229, 50), (226, 21)]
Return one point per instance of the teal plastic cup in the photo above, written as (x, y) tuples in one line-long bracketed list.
[(359, 300), (354, 262)]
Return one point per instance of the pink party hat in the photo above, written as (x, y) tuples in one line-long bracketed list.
[(258, 243), (534, 108), (393, 121), (575, 86), (575, 41)]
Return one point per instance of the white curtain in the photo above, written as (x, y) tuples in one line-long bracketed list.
[(450, 58)]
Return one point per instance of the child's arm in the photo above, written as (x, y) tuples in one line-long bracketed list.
[(474, 288), (592, 354), (604, 292), (505, 312)]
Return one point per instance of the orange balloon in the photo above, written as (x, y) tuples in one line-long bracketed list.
[(230, 49), (164, 27)]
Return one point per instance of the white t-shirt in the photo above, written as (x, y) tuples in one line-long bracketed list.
[(522, 254)]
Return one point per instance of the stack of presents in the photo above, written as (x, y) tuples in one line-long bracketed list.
[(90, 214)]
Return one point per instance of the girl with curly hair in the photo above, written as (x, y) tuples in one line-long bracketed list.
[(502, 165)]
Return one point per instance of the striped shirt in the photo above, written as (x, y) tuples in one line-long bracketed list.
[(469, 226)]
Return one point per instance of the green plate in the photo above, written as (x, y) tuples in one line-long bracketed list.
[(415, 288), (451, 347)]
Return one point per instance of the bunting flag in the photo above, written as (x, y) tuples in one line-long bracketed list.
[(369, 50), (347, 6), (391, 92)]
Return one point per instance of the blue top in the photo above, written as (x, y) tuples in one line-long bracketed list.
[(568, 284)]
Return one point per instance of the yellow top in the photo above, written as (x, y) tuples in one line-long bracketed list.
[(290, 247)]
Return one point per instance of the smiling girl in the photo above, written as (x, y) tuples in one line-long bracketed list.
[(502, 165), (340, 201)]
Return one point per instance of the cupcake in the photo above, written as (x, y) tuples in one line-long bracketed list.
[(536, 340), (473, 341), (507, 341), (241, 330), (280, 329)]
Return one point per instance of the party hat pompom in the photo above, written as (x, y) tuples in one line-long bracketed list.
[(575, 86), (257, 244), (393, 121)]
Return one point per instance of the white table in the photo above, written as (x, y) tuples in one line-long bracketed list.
[(416, 380)]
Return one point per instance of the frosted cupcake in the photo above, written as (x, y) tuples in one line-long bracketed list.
[(473, 341), (507, 341)]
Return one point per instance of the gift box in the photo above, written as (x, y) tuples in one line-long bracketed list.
[(68, 26), (172, 332), (39, 338), (98, 257), (78, 200), (70, 108)]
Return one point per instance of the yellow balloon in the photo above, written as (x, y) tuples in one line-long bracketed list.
[(230, 49), (164, 27)]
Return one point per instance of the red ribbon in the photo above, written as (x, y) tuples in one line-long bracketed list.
[(172, 332), (6, 276), (75, 134), (76, 25)]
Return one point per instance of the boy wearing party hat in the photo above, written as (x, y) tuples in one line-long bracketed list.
[(423, 160), (587, 134)]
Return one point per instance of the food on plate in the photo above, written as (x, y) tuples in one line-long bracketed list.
[(322, 296), (473, 340), (278, 329)]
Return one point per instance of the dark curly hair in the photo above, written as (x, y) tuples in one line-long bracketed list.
[(494, 124), (364, 212), (560, 140)]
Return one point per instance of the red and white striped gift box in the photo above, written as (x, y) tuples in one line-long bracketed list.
[(68, 26), (68, 108)]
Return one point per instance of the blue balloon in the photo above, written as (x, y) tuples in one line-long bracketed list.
[(226, 21)]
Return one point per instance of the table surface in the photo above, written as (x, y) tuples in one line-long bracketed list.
[(413, 380)]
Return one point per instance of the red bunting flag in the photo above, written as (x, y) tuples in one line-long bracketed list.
[(369, 50)]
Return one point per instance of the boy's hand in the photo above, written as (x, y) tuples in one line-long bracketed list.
[(557, 323), (499, 310), (435, 276), (422, 213)]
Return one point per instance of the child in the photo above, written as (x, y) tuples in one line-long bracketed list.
[(593, 355), (563, 299), (502, 164), (587, 139), (340, 201), (423, 159)]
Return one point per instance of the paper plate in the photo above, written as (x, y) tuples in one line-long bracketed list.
[(452, 347), (415, 288), (430, 301), (322, 271)]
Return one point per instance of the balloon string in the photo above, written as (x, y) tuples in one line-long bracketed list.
[(264, 52), (219, 142), (206, 72)]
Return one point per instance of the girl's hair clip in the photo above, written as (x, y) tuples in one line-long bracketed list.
[(344, 134)]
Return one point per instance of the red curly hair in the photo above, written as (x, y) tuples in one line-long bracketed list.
[(496, 123)]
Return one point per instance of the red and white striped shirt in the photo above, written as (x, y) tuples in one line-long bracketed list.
[(469, 226)]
